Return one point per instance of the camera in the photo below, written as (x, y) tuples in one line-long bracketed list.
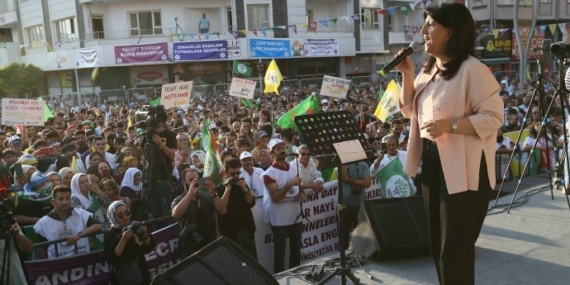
[(155, 115), (189, 232), (6, 217), (235, 180), (136, 227), (560, 49)]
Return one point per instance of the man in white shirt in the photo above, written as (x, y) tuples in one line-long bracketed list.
[(392, 152), (311, 177), (65, 222), (252, 175), (99, 144)]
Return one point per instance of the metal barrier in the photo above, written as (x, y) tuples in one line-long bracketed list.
[(312, 82), (113, 95), (222, 88), (198, 90), (145, 93)]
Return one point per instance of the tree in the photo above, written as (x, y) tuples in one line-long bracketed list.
[(17, 80)]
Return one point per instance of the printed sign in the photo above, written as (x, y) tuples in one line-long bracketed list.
[(22, 112), (91, 268), (176, 94), (269, 48), (535, 42), (141, 53), (242, 88), (149, 75), (335, 87), (87, 58), (321, 47), (200, 50)]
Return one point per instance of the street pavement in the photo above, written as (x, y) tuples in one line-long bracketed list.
[(529, 245)]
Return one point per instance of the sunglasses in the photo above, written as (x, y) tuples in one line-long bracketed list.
[(123, 214), (234, 173), (305, 154)]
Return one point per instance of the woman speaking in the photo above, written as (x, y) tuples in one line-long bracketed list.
[(455, 112)]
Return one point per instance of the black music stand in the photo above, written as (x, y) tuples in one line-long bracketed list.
[(335, 139)]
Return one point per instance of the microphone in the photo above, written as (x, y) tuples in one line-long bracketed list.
[(414, 47)]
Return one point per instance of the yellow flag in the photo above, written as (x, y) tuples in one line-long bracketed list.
[(389, 103), (272, 78), (73, 165)]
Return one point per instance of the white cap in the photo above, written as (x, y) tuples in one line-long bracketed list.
[(13, 138), (324, 101), (274, 142), (245, 154)]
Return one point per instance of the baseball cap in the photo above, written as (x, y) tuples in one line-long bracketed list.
[(14, 138), (262, 134), (245, 154), (272, 143), (28, 159), (71, 127), (36, 179)]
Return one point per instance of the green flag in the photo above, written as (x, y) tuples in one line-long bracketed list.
[(155, 102), (380, 94), (306, 107), (212, 165), (241, 69), (47, 111), (394, 182), (247, 102)]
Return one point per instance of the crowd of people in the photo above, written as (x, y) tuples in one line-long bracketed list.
[(91, 168)]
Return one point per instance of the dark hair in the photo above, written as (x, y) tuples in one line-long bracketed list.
[(232, 163), (461, 43), (68, 147), (53, 135), (61, 162), (395, 122), (60, 189), (79, 132)]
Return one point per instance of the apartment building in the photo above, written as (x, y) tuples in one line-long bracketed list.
[(136, 44)]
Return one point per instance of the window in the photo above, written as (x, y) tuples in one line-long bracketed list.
[(98, 30), (35, 36), (369, 19), (476, 3), (145, 23), (66, 31), (258, 16)]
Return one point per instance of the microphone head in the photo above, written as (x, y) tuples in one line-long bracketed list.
[(415, 46)]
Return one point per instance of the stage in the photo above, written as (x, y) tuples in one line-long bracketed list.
[(531, 245)]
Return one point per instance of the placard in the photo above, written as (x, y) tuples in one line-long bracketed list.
[(176, 94), (22, 112), (242, 88), (335, 87)]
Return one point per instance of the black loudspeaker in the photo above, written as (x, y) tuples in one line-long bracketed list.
[(392, 228), (221, 262)]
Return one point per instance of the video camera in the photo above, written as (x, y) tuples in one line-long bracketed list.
[(6, 217), (560, 49), (155, 115)]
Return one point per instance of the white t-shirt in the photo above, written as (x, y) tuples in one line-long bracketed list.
[(53, 229), (286, 211)]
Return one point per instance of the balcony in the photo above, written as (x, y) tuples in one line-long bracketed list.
[(403, 38), (8, 16)]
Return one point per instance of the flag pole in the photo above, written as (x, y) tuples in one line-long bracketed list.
[(260, 78)]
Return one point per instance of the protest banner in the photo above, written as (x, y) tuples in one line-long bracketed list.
[(242, 88), (176, 94), (22, 112), (155, 52), (320, 236), (335, 87), (91, 268)]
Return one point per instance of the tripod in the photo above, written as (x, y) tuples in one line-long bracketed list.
[(9, 240), (151, 149), (335, 139), (544, 114)]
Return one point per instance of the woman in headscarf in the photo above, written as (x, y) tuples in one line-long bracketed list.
[(27, 171), (264, 159), (66, 174), (131, 188), (198, 158), (124, 250), (88, 196), (54, 178)]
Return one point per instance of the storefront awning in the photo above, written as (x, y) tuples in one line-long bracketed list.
[(499, 60)]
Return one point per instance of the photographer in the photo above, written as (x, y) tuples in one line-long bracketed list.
[(125, 245), (355, 179), (237, 224), (18, 242), (196, 212), (159, 165)]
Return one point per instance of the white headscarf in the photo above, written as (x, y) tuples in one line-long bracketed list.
[(201, 156), (25, 169), (111, 213), (64, 171), (129, 179), (76, 192)]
